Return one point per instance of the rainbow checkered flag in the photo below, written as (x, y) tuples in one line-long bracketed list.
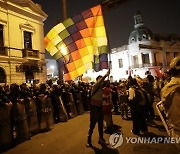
[(79, 43)]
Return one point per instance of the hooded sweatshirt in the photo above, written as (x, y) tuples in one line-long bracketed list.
[(170, 96)]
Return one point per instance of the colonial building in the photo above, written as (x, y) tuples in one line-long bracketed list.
[(22, 54), (145, 52)]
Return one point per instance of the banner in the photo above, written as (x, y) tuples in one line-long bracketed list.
[(79, 43)]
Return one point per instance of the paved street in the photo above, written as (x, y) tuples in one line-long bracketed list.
[(70, 137)]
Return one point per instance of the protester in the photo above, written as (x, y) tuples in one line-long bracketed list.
[(114, 97), (148, 85), (157, 86), (166, 78), (137, 102), (107, 106), (123, 101), (170, 96), (96, 110)]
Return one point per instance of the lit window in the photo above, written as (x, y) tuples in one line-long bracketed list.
[(27, 40)]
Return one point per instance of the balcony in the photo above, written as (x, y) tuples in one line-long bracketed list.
[(27, 67), (143, 65), (30, 53), (136, 66), (3, 51), (147, 65)]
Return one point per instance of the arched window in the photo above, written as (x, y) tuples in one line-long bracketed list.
[(133, 39), (144, 37)]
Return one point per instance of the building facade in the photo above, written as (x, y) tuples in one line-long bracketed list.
[(145, 52), (22, 53)]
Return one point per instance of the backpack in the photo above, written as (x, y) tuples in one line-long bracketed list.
[(139, 96)]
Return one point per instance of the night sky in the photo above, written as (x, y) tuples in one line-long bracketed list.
[(160, 16)]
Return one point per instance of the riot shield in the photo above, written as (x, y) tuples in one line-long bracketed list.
[(20, 122), (85, 97), (80, 108), (31, 112), (65, 100), (163, 115), (45, 112), (6, 132), (50, 119), (73, 111), (63, 113)]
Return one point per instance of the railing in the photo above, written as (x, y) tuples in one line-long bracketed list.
[(146, 65), (29, 67), (30, 53), (3, 51), (25, 52), (136, 66)]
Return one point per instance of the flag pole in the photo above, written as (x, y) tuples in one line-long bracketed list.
[(109, 4), (108, 42), (64, 7), (64, 11)]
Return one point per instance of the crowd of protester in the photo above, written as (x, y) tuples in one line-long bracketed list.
[(36, 107)]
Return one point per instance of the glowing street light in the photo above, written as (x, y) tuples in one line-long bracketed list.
[(52, 67)]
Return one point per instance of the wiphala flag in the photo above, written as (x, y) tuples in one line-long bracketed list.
[(79, 43)]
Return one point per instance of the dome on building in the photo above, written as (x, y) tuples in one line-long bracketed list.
[(140, 32)]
